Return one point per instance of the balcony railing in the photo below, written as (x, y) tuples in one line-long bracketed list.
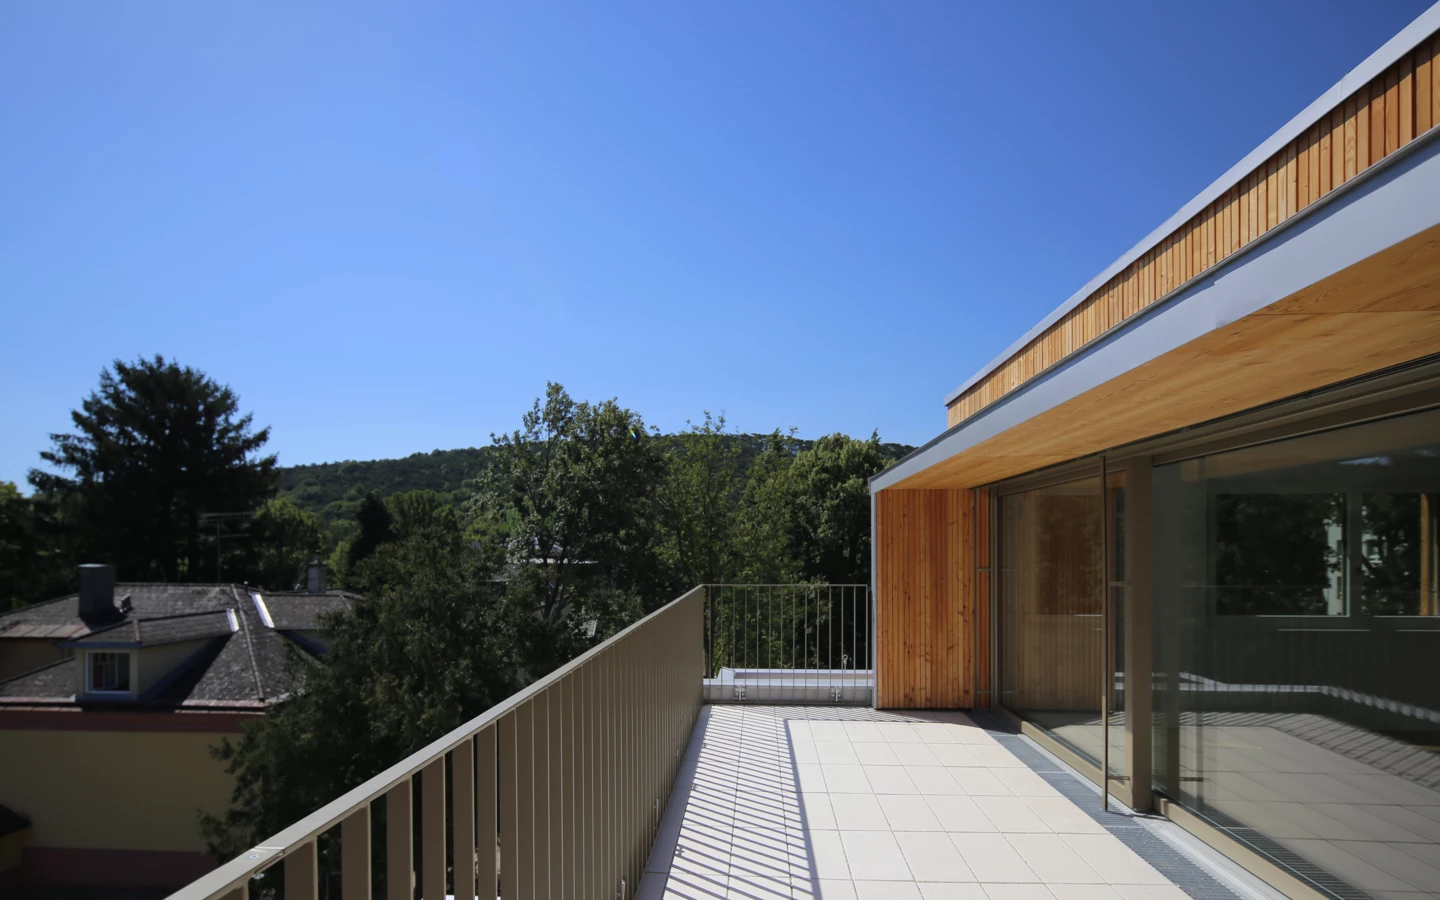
[(559, 790), (788, 643)]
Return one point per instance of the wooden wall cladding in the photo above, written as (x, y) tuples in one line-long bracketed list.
[(925, 627), (1391, 111)]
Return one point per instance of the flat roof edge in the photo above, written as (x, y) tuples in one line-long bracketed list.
[(1424, 25)]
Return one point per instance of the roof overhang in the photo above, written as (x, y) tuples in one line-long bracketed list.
[(1349, 286)]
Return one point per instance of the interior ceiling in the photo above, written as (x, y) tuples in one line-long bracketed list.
[(1379, 312)]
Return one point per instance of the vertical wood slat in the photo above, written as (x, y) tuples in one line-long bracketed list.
[(525, 801), (355, 855), (486, 807), (462, 820), (399, 842), (302, 874), (1396, 107), (540, 778), (558, 786), (432, 830), (508, 775)]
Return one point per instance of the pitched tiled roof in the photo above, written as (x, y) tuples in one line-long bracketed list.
[(300, 611), (245, 662)]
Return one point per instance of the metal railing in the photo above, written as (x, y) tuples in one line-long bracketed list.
[(788, 643), (556, 792)]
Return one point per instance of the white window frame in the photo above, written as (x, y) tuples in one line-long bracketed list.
[(121, 658)]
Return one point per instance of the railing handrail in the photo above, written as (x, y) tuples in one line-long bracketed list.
[(237, 871), (793, 584)]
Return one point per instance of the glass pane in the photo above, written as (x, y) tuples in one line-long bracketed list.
[(1050, 609), (1295, 630)]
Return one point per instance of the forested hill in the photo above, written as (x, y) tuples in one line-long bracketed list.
[(333, 490)]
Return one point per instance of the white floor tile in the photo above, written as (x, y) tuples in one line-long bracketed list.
[(1115, 862), (1053, 860), (847, 780), (992, 858), (835, 753), (889, 780), (960, 814), (857, 812), (1011, 814), (829, 855), (887, 890), (817, 813), (1018, 892), (1096, 891), (917, 754), (874, 856), (934, 780), (952, 891), (826, 889), (979, 782), (880, 753), (908, 812), (931, 856)]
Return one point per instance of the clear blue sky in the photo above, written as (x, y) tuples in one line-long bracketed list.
[(387, 225)]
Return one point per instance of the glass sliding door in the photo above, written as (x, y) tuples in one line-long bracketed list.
[(1051, 626), (1295, 634)]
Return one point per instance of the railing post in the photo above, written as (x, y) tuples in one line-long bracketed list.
[(509, 808), (462, 819), (432, 830), (399, 842), (485, 815), (355, 855), (302, 875)]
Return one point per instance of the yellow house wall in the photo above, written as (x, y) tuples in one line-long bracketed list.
[(112, 790), (21, 655)]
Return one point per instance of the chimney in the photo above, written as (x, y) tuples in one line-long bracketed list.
[(97, 590), (315, 577)]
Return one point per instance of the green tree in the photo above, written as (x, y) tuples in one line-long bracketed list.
[(421, 654), (32, 561), (571, 494), (698, 505), (829, 494), (156, 447), (376, 527), (412, 512), (763, 521), (283, 538)]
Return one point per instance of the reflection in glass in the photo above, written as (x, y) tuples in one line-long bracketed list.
[(1050, 623), (1295, 644)]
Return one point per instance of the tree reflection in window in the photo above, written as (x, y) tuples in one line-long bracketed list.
[(1279, 554)]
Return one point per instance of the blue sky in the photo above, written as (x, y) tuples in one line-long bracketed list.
[(388, 225)]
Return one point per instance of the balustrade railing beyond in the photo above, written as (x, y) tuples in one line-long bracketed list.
[(788, 643)]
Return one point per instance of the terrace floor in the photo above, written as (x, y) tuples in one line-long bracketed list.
[(839, 802)]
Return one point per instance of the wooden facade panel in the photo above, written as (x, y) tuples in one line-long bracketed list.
[(924, 599), (1398, 106)]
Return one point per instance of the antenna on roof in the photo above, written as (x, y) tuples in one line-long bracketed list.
[(217, 518)]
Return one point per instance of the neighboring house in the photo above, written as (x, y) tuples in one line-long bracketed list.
[(110, 702), (1188, 527)]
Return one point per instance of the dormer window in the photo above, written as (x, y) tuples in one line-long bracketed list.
[(107, 672)]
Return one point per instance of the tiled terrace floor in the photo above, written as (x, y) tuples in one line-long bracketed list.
[(827, 802)]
